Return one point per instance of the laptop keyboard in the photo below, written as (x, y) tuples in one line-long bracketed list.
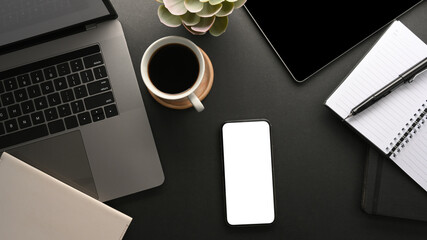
[(54, 95)]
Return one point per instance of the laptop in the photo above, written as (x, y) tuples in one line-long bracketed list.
[(70, 103), (308, 35)]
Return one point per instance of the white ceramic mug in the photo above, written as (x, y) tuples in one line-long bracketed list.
[(187, 94)]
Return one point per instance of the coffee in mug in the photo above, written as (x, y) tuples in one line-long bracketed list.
[(173, 68), (177, 73)]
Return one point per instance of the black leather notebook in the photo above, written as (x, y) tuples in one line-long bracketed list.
[(389, 191)]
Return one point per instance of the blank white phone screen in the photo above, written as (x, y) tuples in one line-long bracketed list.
[(248, 173)]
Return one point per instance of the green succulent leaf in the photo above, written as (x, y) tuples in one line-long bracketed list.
[(192, 31), (204, 25), (193, 5), (239, 3), (168, 18), (198, 16), (209, 10), (176, 7), (215, 2), (190, 19), (227, 9), (219, 26)]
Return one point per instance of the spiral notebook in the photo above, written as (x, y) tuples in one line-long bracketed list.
[(396, 123)]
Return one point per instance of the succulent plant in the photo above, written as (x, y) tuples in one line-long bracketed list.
[(198, 16)]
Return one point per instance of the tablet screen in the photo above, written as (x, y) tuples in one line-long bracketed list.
[(307, 35)]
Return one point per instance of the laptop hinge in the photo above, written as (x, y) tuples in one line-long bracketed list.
[(90, 26)]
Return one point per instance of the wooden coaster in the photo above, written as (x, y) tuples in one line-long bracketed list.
[(201, 92)]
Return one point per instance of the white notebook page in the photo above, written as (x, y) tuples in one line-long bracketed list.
[(396, 51), (412, 158)]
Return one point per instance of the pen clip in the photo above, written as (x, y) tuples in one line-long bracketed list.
[(416, 75)]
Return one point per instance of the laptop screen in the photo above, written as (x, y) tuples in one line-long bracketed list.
[(309, 34), (23, 19)]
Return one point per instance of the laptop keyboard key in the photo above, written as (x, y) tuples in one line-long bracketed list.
[(54, 99), (1, 87), (80, 91), (34, 91), (10, 84), (3, 114), (99, 100), (47, 87), (50, 73), (60, 83), (24, 121), (50, 114), (37, 118), (73, 80), (84, 118), (64, 110), (97, 114), (100, 72), (56, 126), (27, 106), (37, 76), (14, 111), (67, 95), (2, 131), (40, 103), (63, 69), (7, 99), (99, 86), (77, 106), (76, 65), (111, 110), (23, 136), (20, 95), (11, 125), (71, 122), (23, 80), (87, 76), (94, 60)]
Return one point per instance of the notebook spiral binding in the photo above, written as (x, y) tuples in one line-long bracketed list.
[(406, 134)]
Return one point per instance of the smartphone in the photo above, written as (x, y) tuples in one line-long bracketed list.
[(248, 172)]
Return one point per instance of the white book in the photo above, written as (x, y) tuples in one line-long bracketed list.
[(394, 124), (36, 206)]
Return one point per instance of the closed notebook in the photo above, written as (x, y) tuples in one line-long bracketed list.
[(395, 124), (36, 206), (388, 191)]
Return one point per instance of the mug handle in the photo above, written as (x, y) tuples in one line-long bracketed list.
[(196, 102)]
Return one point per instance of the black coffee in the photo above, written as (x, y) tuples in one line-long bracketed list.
[(173, 68)]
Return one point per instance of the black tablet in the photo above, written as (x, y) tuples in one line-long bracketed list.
[(308, 35)]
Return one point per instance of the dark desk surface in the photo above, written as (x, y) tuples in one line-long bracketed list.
[(319, 161)]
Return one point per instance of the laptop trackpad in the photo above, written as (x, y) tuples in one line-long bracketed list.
[(63, 157)]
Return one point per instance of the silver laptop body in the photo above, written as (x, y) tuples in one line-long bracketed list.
[(106, 159)]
